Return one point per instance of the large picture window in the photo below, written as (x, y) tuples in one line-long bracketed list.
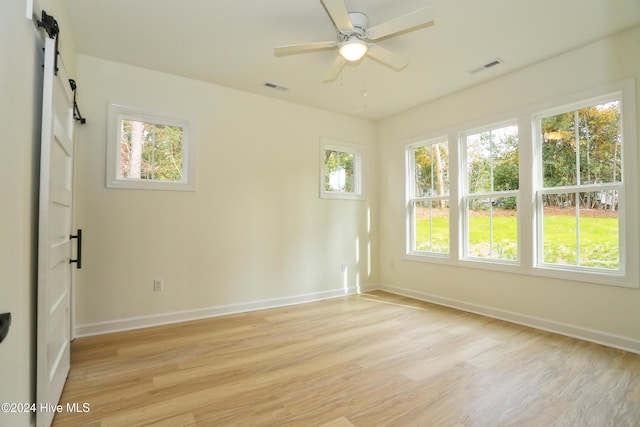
[(148, 151)]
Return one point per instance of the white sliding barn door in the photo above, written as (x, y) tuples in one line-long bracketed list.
[(54, 242)]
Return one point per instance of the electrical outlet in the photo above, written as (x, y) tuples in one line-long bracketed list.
[(158, 285), (343, 267)]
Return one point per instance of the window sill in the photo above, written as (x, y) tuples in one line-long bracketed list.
[(341, 196)]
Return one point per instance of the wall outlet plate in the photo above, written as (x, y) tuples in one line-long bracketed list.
[(158, 285)]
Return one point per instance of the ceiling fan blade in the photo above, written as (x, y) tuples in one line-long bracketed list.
[(304, 47), (387, 57), (402, 23), (335, 69), (339, 14)]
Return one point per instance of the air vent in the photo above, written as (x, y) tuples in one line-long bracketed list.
[(275, 86), (489, 64)]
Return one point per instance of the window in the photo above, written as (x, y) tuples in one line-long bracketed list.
[(490, 195), (147, 151), (579, 193), (428, 165), (340, 170), (548, 191)]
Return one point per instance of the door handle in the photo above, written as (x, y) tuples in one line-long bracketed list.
[(78, 260)]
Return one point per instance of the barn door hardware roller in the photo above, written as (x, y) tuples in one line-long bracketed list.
[(50, 25)]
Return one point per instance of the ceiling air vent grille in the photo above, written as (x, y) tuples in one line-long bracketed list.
[(275, 86), (489, 64)]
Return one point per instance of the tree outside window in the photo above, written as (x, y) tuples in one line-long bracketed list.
[(150, 151), (339, 173)]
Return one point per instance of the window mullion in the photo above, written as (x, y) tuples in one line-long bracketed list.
[(576, 136), (491, 223), (577, 196), (491, 160), (153, 151)]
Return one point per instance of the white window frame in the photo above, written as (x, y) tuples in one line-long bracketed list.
[(343, 147), (411, 197), (530, 171), (116, 114), (466, 196), (627, 273)]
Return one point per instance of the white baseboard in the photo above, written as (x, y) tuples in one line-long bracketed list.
[(598, 337), (585, 334), (183, 316)]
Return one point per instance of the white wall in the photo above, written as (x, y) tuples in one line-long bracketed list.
[(18, 119), (20, 109), (594, 311), (254, 233)]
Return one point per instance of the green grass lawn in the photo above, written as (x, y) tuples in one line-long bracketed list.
[(434, 238), (598, 239)]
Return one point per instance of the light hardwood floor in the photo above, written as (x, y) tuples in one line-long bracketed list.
[(370, 360)]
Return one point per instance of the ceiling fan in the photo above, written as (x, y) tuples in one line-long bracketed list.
[(355, 37)]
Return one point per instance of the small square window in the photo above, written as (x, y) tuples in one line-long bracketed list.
[(148, 151), (340, 170)]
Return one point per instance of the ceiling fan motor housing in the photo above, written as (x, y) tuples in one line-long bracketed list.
[(360, 23)]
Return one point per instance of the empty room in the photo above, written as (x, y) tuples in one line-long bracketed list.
[(320, 213)]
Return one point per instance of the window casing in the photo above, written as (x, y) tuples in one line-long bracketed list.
[(340, 170), (149, 151)]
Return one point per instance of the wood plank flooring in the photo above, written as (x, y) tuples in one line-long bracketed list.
[(370, 360)]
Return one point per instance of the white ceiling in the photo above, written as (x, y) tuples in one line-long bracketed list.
[(230, 43)]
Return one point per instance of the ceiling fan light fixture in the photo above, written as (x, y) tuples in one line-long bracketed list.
[(353, 49)]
